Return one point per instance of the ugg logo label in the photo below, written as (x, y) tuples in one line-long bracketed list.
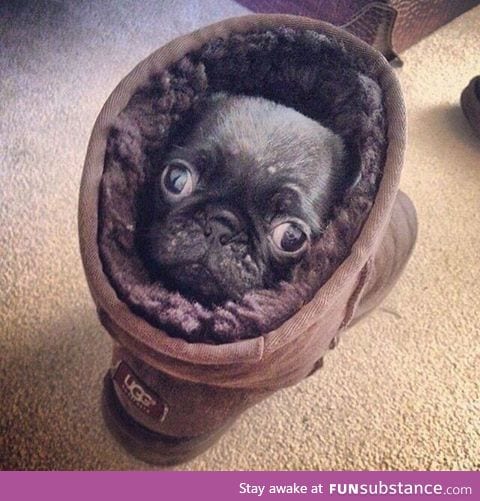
[(142, 397), (137, 393)]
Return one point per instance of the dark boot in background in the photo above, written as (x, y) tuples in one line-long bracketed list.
[(470, 102)]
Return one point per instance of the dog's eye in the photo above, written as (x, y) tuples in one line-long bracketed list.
[(177, 180), (289, 237)]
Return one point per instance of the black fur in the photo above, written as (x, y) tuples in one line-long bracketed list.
[(257, 167)]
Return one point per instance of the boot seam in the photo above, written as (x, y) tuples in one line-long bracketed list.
[(356, 295)]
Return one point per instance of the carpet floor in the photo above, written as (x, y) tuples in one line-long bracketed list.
[(402, 390)]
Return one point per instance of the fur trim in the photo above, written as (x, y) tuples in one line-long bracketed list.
[(301, 69)]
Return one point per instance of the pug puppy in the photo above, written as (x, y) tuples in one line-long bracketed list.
[(240, 199)]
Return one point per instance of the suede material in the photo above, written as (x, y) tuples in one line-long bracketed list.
[(247, 368), (193, 408), (392, 255)]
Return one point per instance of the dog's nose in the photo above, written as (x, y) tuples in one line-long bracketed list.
[(222, 225)]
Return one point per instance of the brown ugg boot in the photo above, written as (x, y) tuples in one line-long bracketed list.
[(169, 398), (391, 257)]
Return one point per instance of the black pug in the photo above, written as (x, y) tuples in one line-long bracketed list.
[(241, 197)]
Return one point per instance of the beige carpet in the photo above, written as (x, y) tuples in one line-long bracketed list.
[(402, 391)]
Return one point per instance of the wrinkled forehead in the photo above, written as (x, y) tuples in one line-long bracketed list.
[(262, 140), (258, 169)]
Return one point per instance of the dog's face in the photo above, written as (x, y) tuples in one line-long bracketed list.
[(241, 198)]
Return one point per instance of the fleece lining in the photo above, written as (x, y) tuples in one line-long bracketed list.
[(298, 68)]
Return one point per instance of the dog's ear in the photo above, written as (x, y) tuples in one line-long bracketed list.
[(206, 104)]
